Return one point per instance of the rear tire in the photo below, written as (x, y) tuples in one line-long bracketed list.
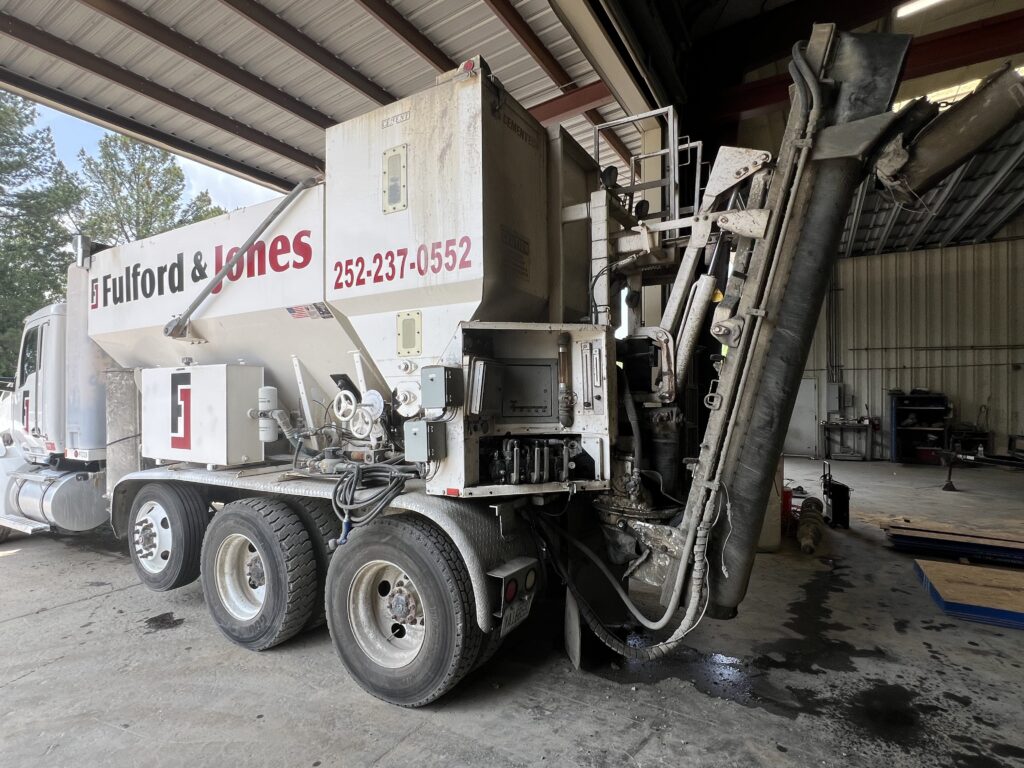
[(401, 611), (259, 572), (322, 525), (167, 523)]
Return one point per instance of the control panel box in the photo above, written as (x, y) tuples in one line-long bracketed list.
[(424, 440), (441, 386), (200, 414)]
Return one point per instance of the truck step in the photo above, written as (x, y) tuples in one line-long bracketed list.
[(23, 524)]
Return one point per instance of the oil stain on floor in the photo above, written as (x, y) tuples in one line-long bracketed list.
[(161, 621)]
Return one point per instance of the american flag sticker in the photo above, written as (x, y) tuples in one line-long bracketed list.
[(309, 311)]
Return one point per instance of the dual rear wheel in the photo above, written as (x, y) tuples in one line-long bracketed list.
[(397, 596)]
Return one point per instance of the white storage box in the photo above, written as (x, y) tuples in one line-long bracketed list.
[(201, 414)]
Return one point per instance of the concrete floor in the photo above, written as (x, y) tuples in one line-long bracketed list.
[(836, 659)]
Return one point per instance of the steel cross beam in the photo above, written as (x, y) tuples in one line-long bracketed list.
[(189, 49), (935, 206), (572, 103), (36, 91), (309, 48), (997, 223), (890, 220), (961, 46), (854, 218), (550, 112), (995, 181), (529, 39), (54, 46), (407, 32)]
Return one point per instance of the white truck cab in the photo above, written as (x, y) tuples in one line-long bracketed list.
[(38, 408)]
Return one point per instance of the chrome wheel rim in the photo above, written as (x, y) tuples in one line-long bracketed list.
[(240, 576), (152, 537), (386, 614)]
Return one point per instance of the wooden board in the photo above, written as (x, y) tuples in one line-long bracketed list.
[(988, 595), (944, 540), (1015, 534), (966, 538)]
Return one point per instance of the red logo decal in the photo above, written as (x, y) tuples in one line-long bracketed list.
[(181, 410)]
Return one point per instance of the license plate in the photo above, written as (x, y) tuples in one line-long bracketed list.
[(515, 615)]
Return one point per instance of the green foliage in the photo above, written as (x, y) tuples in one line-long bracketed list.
[(128, 191), (36, 195), (133, 190)]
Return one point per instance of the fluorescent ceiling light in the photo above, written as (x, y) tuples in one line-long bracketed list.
[(909, 9)]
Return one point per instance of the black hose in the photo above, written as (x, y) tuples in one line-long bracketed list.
[(812, 83), (389, 478), (649, 653)]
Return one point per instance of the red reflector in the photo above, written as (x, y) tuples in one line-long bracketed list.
[(51, 446), (468, 66), (451, 491), (511, 590)]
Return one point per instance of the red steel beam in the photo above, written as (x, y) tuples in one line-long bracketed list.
[(983, 40), (309, 48), (529, 39), (962, 46), (60, 49), (572, 103), (406, 31), (183, 46)]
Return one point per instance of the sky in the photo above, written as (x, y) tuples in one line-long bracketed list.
[(71, 135)]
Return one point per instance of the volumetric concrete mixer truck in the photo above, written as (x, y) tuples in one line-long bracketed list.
[(396, 400)]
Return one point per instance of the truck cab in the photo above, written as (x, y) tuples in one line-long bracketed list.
[(53, 425), (37, 417)]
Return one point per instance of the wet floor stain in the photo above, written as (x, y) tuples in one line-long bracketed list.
[(817, 674), (101, 541), (162, 621), (888, 712)]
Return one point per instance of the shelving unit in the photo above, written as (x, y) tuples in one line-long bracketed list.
[(928, 415)]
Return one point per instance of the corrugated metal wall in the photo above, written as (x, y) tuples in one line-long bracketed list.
[(950, 320)]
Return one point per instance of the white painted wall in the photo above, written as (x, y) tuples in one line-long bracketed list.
[(951, 320)]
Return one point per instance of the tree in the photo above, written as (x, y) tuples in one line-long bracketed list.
[(36, 196), (133, 190)]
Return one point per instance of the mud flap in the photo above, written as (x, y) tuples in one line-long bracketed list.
[(573, 630)]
